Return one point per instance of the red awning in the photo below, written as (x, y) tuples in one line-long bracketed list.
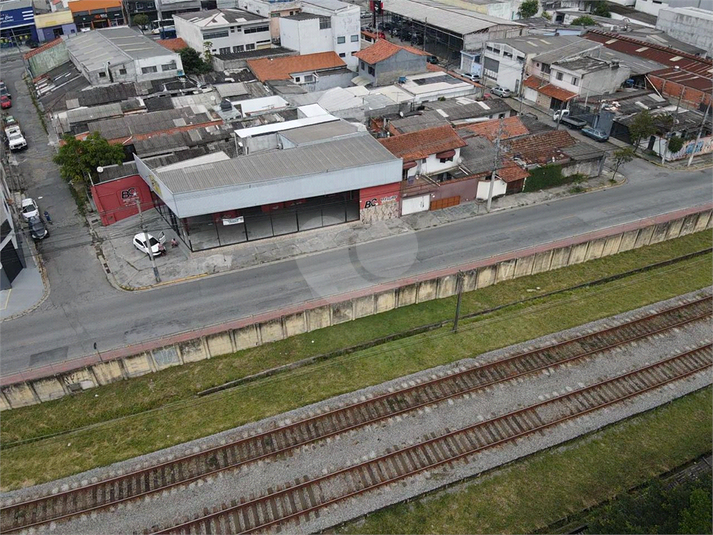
[(409, 165), (446, 154)]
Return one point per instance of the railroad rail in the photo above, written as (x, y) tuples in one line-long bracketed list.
[(183, 470), (289, 503)]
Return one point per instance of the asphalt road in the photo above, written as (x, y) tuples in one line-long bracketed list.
[(55, 333), (83, 308)]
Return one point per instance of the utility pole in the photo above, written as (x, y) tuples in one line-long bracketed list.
[(522, 80), (459, 291), (698, 137), (495, 167), (146, 241)]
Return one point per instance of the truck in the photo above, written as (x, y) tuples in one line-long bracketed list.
[(570, 121), (15, 139)]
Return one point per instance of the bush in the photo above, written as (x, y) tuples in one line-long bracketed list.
[(550, 176), (675, 144), (583, 21)]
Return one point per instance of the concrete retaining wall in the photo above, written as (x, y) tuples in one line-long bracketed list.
[(19, 392)]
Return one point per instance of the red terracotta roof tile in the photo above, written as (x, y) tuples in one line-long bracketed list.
[(541, 86), (422, 143), (281, 68), (42, 48), (511, 172), (175, 44), (645, 49), (384, 49), (541, 148), (512, 127)]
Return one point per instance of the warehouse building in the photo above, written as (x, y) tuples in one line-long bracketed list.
[(252, 197), (445, 30)]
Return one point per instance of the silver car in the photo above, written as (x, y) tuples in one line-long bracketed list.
[(500, 91)]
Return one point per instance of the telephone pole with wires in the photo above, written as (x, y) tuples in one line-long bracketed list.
[(495, 166)]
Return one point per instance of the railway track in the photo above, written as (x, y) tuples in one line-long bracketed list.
[(294, 502), (183, 470)]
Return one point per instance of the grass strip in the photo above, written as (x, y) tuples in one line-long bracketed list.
[(105, 443), (533, 493), (176, 384)]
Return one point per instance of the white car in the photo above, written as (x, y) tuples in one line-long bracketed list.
[(29, 208), (157, 248)]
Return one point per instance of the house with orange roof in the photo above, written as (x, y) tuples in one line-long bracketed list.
[(312, 72), (383, 63), (93, 14)]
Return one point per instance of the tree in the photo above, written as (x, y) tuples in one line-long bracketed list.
[(207, 54), (79, 159), (192, 62), (675, 144), (641, 127), (583, 21), (601, 9), (697, 517), (528, 8), (142, 21), (622, 156)]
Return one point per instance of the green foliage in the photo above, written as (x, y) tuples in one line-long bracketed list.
[(583, 21), (675, 144), (641, 128), (79, 159), (142, 21), (546, 15), (601, 9), (207, 54), (550, 176), (528, 8), (683, 508), (192, 62), (621, 157)]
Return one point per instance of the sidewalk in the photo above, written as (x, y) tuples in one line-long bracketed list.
[(129, 269), (29, 289)]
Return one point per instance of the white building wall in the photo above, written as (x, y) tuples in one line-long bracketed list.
[(274, 10), (694, 27), (499, 188), (599, 82), (305, 36), (345, 26), (167, 66), (651, 7), (433, 165), (190, 33), (194, 36)]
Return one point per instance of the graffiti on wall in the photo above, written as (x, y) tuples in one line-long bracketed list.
[(703, 146)]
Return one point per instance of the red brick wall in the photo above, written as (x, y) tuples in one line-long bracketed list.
[(692, 98)]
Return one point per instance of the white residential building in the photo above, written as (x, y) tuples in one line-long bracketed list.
[(504, 62), (688, 24), (324, 26), (229, 31), (274, 10)]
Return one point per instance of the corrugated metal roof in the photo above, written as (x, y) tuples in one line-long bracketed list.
[(537, 44), (460, 21), (307, 134), (350, 152), (115, 45)]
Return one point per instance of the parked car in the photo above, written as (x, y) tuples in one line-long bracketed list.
[(4, 91), (500, 91), (15, 139), (5, 102), (140, 242), (29, 208), (470, 76), (594, 133), (38, 230), (9, 120)]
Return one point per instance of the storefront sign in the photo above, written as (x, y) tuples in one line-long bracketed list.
[(233, 220)]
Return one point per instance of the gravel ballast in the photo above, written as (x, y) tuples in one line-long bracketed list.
[(350, 448)]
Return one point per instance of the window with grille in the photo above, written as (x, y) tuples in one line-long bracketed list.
[(325, 23), (560, 75), (341, 40), (148, 70)]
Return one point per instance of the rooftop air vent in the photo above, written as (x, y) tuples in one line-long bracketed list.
[(226, 105)]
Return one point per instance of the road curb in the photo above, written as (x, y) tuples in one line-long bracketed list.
[(45, 285)]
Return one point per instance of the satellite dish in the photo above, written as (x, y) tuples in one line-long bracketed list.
[(100, 169)]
